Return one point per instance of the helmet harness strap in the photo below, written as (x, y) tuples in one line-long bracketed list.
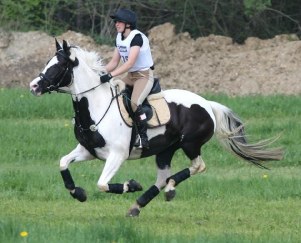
[(125, 27)]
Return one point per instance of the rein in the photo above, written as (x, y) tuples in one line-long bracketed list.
[(70, 65), (83, 92), (93, 127), (56, 87)]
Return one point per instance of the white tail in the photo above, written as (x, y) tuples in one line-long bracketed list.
[(230, 132)]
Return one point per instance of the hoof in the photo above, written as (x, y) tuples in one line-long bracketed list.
[(133, 212), (169, 195), (134, 186), (79, 194)]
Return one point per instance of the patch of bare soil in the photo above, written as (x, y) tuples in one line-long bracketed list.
[(208, 64)]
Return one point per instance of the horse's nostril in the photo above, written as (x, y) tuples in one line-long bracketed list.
[(34, 86)]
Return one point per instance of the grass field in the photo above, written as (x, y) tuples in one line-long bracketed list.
[(232, 202)]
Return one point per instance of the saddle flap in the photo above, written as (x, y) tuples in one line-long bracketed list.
[(157, 109), (154, 106)]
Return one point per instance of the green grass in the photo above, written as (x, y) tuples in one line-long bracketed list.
[(232, 202)]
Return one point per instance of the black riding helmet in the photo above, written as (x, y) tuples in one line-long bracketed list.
[(126, 16)]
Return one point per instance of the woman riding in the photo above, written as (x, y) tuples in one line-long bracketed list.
[(132, 48)]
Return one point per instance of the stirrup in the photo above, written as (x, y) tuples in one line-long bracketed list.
[(139, 144)]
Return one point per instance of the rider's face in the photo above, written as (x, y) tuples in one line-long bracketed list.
[(120, 26)]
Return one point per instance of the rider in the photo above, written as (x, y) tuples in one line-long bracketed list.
[(132, 48)]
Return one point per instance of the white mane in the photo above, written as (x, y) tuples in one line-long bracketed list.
[(91, 58), (95, 63)]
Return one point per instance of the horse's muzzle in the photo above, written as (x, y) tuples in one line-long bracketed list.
[(34, 89), (34, 93)]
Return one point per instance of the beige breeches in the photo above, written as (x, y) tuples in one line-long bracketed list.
[(142, 82)]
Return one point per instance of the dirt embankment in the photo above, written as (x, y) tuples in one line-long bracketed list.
[(208, 64)]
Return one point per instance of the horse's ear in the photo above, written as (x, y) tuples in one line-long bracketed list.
[(65, 46), (58, 46), (72, 55)]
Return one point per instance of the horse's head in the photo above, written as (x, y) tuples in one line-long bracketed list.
[(58, 72)]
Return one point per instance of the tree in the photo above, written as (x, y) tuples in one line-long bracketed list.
[(234, 18)]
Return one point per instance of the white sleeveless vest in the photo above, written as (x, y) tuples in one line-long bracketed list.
[(144, 60)]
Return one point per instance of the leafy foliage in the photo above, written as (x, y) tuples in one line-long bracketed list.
[(237, 19), (254, 6)]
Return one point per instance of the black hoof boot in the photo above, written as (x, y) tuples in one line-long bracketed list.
[(170, 195), (133, 212), (79, 194), (134, 186)]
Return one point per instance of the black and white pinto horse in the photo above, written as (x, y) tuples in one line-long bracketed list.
[(103, 134)]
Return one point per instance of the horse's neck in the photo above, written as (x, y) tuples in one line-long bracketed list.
[(87, 84), (84, 79)]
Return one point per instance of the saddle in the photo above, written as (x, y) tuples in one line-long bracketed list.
[(155, 106)]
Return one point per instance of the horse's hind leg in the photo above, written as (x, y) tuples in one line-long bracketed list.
[(197, 166), (151, 193), (197, 134), (163, 161)]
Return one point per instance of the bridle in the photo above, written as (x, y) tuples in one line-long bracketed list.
[(68, 69), (62, 74)]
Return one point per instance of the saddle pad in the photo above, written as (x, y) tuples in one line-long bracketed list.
[(161, 113)]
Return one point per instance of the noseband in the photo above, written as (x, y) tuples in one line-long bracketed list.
[(62, 74)]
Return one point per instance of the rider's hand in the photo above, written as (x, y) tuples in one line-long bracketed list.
[(105, 78)]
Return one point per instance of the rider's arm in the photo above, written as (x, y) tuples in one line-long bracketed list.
[(134, 51), (114, 61)]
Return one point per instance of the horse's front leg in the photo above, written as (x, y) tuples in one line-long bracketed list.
[(78, 154), (113, 163)]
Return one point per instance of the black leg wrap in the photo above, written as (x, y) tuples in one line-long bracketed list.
[(146, 197), (180, 176), (68, 181), (115, 188)]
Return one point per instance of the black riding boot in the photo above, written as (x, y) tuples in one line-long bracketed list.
[(140, 120)]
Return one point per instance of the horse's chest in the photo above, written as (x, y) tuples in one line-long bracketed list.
[(83, 121)]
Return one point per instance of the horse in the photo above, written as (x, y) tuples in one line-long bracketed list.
[(102, 133)]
